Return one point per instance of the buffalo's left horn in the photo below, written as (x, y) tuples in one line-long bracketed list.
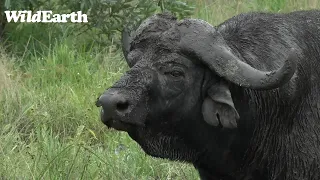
[(200, 39)]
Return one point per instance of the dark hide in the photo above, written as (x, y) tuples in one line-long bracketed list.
[(189, 97)]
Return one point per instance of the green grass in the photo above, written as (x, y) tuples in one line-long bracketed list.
[(49, 125)]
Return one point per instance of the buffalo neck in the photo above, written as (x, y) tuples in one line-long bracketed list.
[(280, 130)]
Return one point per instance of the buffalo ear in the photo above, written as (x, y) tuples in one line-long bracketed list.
[(218, 106)]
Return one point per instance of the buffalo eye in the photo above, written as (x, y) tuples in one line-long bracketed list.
[(175, 73)]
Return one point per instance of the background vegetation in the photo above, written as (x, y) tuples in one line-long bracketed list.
[(51, 75)]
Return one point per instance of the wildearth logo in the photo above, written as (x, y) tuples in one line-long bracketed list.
[(45, 17)]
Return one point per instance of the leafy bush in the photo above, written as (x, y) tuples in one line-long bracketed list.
[(106, 18)]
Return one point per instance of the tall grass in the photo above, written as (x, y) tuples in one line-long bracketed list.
[(49, 126), (217, 11)]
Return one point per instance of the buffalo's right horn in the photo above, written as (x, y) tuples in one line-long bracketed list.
[(126, 41)]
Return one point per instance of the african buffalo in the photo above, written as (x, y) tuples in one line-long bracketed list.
[(238, 101)]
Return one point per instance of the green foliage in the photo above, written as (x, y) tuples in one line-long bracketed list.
[(107, 18)]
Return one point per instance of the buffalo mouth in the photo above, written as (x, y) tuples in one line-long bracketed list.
[(117, 123)]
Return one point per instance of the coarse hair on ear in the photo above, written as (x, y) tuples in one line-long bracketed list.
[(218, 107)]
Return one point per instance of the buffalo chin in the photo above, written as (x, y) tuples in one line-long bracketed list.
[(161, 146)]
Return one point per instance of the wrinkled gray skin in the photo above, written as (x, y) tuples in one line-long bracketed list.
[(238, 101)]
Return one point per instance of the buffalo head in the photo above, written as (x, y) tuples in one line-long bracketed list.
[(176, 93)]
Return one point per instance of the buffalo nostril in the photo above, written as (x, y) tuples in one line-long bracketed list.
[(122, 105), (113, 102)]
